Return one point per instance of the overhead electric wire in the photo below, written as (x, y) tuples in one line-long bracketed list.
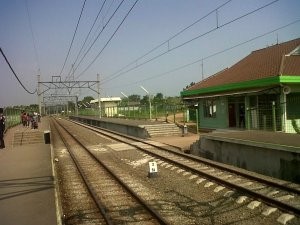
[(12, 70), (103, 28), (214, 54), (193, 39), (87, 36), (103, 20), (96, 33), (108, 40), (108, 9), (72, 39), (172, 37), (32, 35)]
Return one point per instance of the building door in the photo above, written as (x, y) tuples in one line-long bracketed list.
[(232, 115)]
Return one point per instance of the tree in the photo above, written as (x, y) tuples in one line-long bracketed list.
[(145, 100), (134, 98), (173, 101), (87, 99), (131, 100), (158, 99), (71, 106), (85, 102), (190, 85)]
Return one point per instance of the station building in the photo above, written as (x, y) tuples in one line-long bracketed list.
[(109, 105), (260, 92)]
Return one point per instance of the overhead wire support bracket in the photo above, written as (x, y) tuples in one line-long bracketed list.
[(69, 85)]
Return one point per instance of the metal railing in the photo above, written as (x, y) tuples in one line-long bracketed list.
[(273, 117), (139, 112), (12, 117)]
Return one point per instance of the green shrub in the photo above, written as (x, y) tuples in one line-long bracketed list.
[(295, 126)]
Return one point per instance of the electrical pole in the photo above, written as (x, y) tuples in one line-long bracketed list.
[(39, 94), (202, 69), (150, 109), (99, 100)]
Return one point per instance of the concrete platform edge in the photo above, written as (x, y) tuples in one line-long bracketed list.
[(267, 145), (58, 205)]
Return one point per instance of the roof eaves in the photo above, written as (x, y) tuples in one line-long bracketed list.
[(275, 80), (234, 86), (289, 79)]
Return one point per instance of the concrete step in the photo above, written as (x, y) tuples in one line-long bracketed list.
[(162, 130), (27, 137)]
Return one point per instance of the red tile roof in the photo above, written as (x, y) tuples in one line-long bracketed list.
[(267, 62), (291, 65)]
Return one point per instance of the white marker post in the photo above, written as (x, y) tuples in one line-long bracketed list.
[(152, 169)]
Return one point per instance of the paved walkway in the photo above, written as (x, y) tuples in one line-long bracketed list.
[(267, 137), (27, 193), (181, 142)]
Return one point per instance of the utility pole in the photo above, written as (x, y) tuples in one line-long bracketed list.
[(76, 106), (39, 94), (202, 69), (150, 109), (99, 100)]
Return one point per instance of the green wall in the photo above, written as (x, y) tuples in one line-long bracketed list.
[(221, 119)]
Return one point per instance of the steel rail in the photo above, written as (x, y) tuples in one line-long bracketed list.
[(267, 200), (197, 159), (282, 186), (94, 196), (151, 210)]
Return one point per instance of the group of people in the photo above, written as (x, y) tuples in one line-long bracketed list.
[(30, 119), (26, 119)]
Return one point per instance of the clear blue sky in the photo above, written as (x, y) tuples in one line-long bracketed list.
[(151, 22)]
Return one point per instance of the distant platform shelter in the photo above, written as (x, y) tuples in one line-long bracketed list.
[(108, 105)]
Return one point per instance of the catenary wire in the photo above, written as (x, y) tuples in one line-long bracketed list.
[(172, 37), (103, 28), (32, 35), (87, 36), (12, 70), (97, 56), (193, 39), (72, 39), (100, 26), (212, 55)]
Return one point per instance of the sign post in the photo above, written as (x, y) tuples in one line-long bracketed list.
[(152, 169)]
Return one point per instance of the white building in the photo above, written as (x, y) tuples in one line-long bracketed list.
[(108, 105)]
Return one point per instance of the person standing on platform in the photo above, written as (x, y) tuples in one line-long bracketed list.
[(24, 119), (2, 128), (28, 118)]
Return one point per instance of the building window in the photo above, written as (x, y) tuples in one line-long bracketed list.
[(292, 106), (210, 108)]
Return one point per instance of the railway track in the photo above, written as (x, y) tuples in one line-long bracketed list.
[(272, 199), (274, 194), (116, 201)]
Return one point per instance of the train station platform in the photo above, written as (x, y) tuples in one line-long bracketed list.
[(275, 154), (27, 188), (179, 141), (160, 131)]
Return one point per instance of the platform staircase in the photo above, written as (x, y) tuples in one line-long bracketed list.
[(27, 136), (165, 129)]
